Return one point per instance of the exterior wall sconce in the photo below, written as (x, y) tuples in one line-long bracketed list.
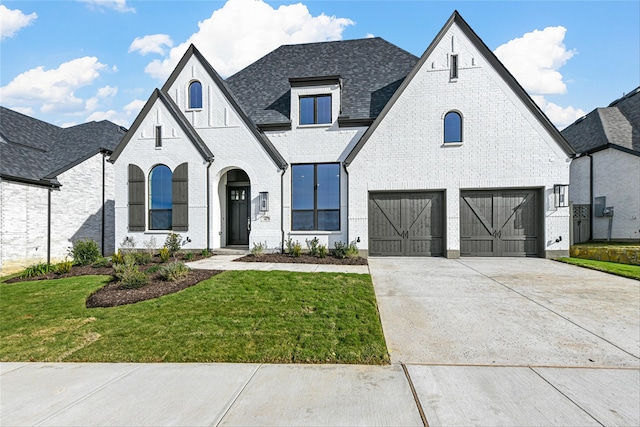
[(560, 196), (263, 201)]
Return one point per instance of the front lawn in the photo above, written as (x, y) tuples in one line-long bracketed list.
[(236, 316), (624, 270)]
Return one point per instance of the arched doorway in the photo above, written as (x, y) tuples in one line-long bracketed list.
[(238, 208)]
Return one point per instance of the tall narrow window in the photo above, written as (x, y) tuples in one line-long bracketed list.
[(195, 95), (453, 127), (315, 109), (315, 197), (158, 136), (160, 198), (453, 70)]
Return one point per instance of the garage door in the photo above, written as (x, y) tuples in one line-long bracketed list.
[(500, 223), (407, 223)]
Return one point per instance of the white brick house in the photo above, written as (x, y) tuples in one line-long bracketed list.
[(56, 187), (345, 141), (606, 171)]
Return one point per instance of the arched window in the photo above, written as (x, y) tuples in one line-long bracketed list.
[(452, 127), (195, 95), (160, 198)]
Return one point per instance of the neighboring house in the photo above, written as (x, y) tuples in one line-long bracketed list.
[(357, 140), (55, 188), (606, 172)]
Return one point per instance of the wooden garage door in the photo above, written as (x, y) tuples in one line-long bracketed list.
[(500, 223), (410, 224)]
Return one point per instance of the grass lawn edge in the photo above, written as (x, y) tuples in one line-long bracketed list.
[(601, 266)]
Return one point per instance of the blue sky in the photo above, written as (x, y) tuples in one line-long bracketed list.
[(68, 62)]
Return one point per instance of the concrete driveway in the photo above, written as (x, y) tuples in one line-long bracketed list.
[(513, 341)]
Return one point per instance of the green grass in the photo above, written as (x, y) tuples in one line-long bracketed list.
[(236, 316), (625, 270)]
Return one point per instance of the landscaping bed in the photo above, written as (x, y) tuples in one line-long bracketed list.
[(302, 259)]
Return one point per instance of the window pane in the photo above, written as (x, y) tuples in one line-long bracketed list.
[(329, 186), (329, 220), (302, 187), (324, 109), (302, 220), (307, 111), (195, 95), (452, 127), (160, 219), (160, 188)]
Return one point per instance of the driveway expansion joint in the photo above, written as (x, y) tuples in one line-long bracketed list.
[(416, 398)]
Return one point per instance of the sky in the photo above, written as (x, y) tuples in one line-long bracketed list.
[(70, 62)]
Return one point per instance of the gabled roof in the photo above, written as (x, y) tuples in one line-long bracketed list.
[(370, 70), (262, 139), (174, 110), (491, 59), (616, 126), (37, 152)]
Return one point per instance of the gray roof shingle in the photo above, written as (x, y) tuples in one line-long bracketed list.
[(371, 70), (617, 124), (34, 150)]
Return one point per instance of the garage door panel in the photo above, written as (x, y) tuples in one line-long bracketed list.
[(515, 219), (406, 223)]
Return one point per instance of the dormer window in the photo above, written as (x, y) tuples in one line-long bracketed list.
[(195, 95), (315, 109)]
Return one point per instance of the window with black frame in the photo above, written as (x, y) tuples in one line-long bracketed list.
[(453, 127), (315, 201), (315, 109), (195, 95), (160, 198)]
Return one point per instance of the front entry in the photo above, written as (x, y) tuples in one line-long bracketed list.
[(238, 216)]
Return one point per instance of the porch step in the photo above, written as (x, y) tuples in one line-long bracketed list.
[(232, 251)]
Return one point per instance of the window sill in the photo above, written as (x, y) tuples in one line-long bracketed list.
[(320, 125), (193, 109), (314, 232), (452, 144)]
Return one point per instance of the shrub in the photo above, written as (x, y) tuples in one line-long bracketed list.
[(128, 245), (206, 252), (352, 250), (297, 249), (174, 271), (35, 270), (84, 252), (312, 245), (64, 267), (340, 249), (258, 249), (322, 251), (189, 256), (173, 243), (154, 268), (117, 258), (101, 262), (142, 258), (128, 274), (150, 246), (164, 254), (288, 249)]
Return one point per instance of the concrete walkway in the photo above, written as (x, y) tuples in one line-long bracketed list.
[(226, 262), (473, 342)]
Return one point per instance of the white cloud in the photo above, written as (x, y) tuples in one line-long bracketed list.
[(68, 124), (13, 20), (27, 111), (561, 117), (53, 90), (104, 92), (242, 31), (534, 60), (134, 107), (117, 5), (151, 44), (369, 36)]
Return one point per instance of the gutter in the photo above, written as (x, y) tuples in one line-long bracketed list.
[(591, 196), (104, 199), (282, 209), (49, 226), (209, 163)]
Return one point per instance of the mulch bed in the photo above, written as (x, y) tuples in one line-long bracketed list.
[(111, 295), (302, 259)]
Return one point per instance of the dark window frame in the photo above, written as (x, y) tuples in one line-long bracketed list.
[(315, 108), (453, 67), (158, 136), (448, 140), (198, 96), (315, 209), (151, 210)]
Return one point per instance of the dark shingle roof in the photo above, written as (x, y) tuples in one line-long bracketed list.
[(617, 124), (371, 71), (37, 151)]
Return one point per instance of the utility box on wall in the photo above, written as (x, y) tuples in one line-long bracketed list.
[(599, 206)]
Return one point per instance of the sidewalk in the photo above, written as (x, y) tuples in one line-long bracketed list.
[(226, 262)]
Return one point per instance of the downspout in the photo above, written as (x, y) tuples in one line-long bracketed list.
[(344, 165), (209, 163), (49, 226), (282, 209), (590, 196), (104, 196)]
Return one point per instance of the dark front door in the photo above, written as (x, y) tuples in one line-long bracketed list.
[(500, 223), (406, 224), (238, 215)]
